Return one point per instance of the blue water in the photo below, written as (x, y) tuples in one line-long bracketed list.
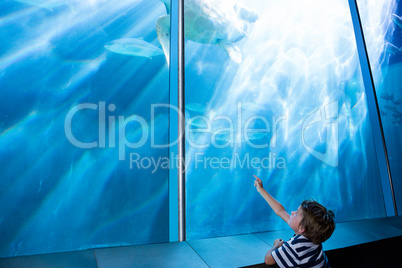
[(54, 195), (299, 58), (79, 155)]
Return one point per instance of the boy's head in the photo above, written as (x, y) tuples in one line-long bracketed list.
[(316, 223)]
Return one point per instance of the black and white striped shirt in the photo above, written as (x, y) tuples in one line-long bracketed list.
[(299, 251)]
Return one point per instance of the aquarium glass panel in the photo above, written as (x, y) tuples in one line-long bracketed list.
[(382, 28), (78, 134), (274, 89)]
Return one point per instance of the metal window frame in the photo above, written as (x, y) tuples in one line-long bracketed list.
[(177, 179)]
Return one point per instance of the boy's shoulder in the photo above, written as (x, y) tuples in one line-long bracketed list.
[(301, 239), (302, 245), (299, 250)]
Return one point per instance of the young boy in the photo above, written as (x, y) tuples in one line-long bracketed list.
[(312, 224)]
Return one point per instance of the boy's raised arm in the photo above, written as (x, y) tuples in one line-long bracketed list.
[(272, 202)]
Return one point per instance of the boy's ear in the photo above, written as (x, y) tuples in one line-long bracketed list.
[(301, 230)]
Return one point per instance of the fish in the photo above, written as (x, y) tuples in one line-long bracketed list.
[(47, 4), (386, 96), (383, 113), (389, 107), (397, 20), (396, 102), (397, 113), (133, 47)]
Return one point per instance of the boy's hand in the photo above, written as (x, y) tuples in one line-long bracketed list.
[(258, 183), (278, 243)]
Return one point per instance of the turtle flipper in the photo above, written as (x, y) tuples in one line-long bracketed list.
[(232, 50), (163, 32), (167, 5), (246, 14), (167, 8)]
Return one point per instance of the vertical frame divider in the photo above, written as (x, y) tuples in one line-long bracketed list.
[(374, 113), (181, 126), (177, 179)]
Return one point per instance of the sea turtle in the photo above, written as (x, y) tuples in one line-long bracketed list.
[(221, 22)]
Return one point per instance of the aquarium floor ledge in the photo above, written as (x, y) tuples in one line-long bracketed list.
[(231, 251)]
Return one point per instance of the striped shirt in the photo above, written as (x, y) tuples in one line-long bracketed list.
[(299, 251)]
